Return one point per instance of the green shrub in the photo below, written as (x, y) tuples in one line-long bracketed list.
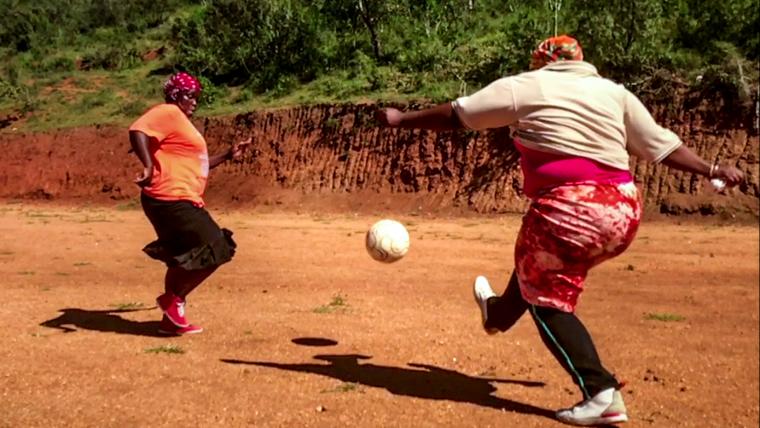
[(344, 49), (17, 97), (96, 99), (110, 58), (132, 109), (266, 40), (58, 63)]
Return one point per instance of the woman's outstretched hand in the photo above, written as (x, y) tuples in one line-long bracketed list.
[(390, 117), (731, 175), (239, 148)]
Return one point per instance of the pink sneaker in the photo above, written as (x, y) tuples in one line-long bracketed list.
[(167, 327), (173, 308)]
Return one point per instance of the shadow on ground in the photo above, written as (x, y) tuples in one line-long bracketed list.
[(314, 341), (108, 321), (422, 381)]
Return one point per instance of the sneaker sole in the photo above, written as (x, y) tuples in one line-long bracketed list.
[(614, 419), (179, 333), (602, 420)]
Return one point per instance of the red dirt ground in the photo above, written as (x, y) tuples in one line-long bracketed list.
[(303, 329)]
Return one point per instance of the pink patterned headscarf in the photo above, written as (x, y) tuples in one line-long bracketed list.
[(179, 84)]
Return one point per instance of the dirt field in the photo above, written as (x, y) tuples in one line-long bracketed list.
[(303, 329)]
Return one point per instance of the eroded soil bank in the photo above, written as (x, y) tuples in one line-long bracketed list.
[(334, 157)]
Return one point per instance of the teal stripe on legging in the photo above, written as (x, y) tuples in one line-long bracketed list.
[(564, 354)]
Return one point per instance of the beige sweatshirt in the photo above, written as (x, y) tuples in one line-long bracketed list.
[(566, 107)]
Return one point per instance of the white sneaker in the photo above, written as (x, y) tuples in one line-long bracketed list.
[(482, 291), (606, 407)]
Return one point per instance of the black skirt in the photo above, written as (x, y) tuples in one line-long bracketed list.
[(188, 237)]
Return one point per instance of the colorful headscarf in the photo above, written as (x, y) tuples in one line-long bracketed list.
[(181, 83), (557, 48)]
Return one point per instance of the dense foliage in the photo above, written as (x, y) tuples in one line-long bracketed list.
[(425, 48)]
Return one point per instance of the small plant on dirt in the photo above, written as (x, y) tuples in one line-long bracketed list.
[(165, 349), (132, 204), (127, 305), (95, 219), (663, 316), (331, 124), (39, 214), (343, 387), (82, 264), (337, 303)]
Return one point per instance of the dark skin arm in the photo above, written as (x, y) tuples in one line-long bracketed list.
[(686, 160), (234, 153), (443, 117), (439, 118), (140, 141)]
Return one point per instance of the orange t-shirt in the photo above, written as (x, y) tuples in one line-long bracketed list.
[(179, 153)]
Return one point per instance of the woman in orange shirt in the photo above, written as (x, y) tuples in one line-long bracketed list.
[(176, 164)]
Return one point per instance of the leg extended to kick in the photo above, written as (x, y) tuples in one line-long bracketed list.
[(499, 313)]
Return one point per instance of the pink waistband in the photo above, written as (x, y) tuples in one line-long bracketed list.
[(542, 170)]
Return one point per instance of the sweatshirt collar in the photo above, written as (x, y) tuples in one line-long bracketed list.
[(580, 68)]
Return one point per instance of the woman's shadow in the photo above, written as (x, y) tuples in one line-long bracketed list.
[(72, 319), (422, 381)]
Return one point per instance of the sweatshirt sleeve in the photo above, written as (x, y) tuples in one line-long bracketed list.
[(644, 137), (491, 107)]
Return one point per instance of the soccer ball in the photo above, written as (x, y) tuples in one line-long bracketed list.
[(387, 241)]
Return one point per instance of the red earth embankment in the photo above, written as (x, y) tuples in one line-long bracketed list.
[(335, 157)]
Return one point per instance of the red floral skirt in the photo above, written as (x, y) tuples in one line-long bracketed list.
[(568, 230)]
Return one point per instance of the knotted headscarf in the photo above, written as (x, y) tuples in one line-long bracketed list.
[(179, 84), (557, 48)]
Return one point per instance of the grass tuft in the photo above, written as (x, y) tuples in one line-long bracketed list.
[(344, 387), (127, 305), (132, 204), (663, 316), (337, 303), (165, 349)]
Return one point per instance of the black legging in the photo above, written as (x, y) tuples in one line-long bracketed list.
[(562, 332)]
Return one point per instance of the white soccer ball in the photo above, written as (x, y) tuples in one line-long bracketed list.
[(387, 241)]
